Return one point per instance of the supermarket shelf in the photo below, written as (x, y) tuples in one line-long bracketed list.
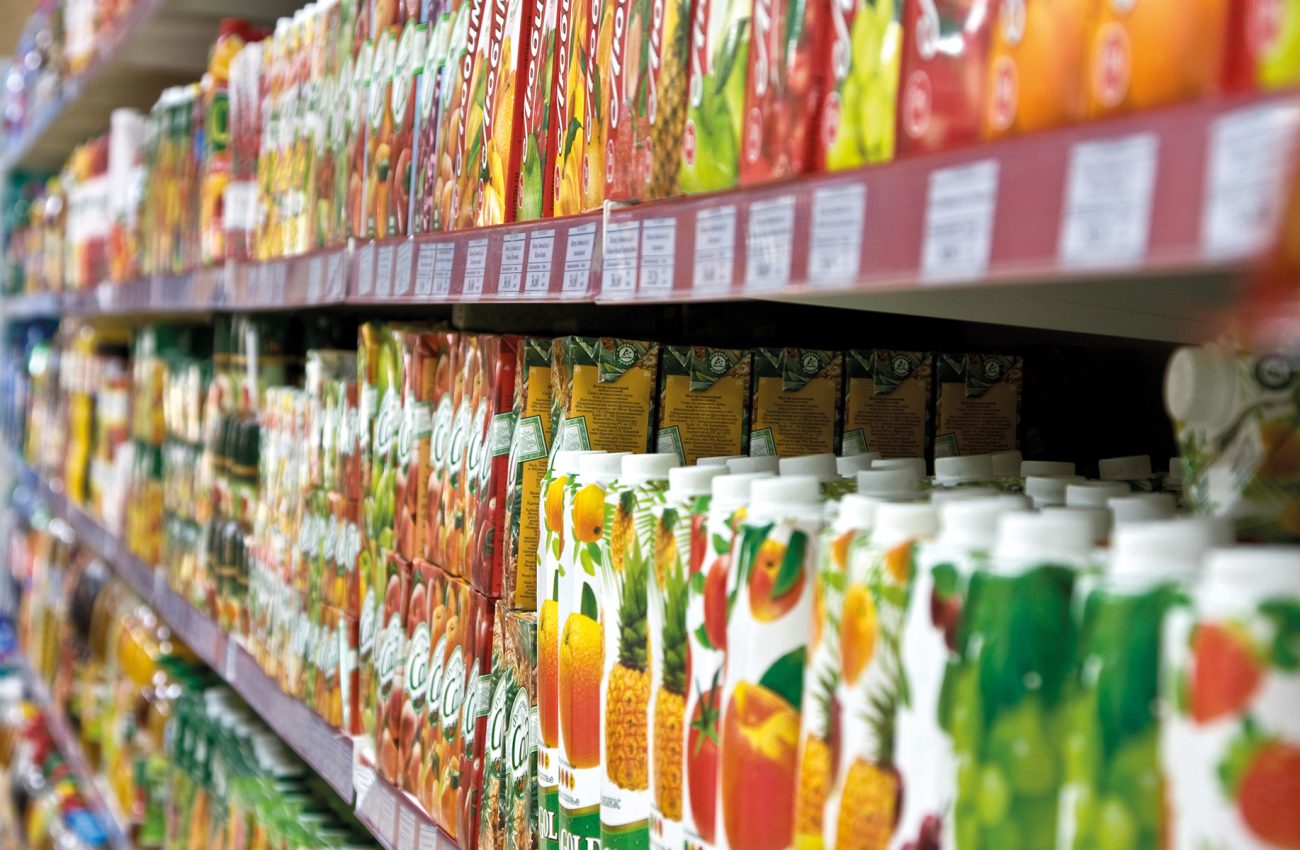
[(393, 818), (92, 785)]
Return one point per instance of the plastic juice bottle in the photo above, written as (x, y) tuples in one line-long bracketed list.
[(858, 113), (680, 547), (895, 484), (1113, 787), (627, 559), (964, 471), (1133, 470), (1091, 499), (1263, 44), (769, 464), (1048, 491), (533, 198), (868, 781), (1148, 53), (944, 67), (915, 466), (716, 460), (1015, 661), (930, 634), (1229, 746), (768, 625), (719, 62), (1046, 467), (390, 656), (1035, 68), (849, 467), (706, 634), (1142, 507), (824, 467)]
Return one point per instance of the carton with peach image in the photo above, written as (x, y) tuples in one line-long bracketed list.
[(887, 402), (625, 559), (420, 355), (415, 675), (703, 405), (603, 393), (389, 661), (388, 133), (769, 619), (533, 198), (346, 586), (447, 622), (529, 448), (357, 122), (448, 388), (797, 398), (474, 712)]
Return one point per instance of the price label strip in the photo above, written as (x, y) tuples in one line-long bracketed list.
[(768, 244), (618, 278), (442, 269), (315, 278), (960, 208), (403, 268), (384, 272), (366, 269), (658, 254), (510, 275), (475, 268), (541, 251), (1248, 169), (577, 260), (835, 253), (337, 283), (1106, 221), (715, 250), (406, 829)]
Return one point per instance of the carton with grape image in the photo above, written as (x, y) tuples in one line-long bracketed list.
[(719, 60), (856, 125)]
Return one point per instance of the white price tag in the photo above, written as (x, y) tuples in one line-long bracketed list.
[(384, 271), (577, 259), (1108, 192), (658, 254), (159, 584), (280, 281), (1248, 169), (366, 269), (541, 250), (619, 274), (510, 275), (446, 259), (363, 780), (475, 268), (835, 252), (385, 809), (315, 278), (428, 837), (232, 654), (402, 268), (406, 829), (959, 221), (767, 244), (335, 286), (715, 249), (424, 268)]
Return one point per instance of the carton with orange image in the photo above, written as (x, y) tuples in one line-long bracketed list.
[(1035, 66)]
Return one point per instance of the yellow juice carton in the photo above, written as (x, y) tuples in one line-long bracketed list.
[(582, 62), (529, 448), (797, 396), (533, 198), (602, 393), (703, 402), (977, 409), (887, 402)]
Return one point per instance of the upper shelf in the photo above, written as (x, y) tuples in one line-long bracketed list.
[(1133, 227)]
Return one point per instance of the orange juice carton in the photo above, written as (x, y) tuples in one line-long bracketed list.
[(625, 564), (420, 355), (533, 198), (784, 89), (433, 78), (582, 93), (680, 545), (703, 402), (390, 656), (452, 209), (856, 125), (1152, 53), (977, 408), (530, 446), (659, 41), (602, 393), (450, 621), (474, 715), (797, 394), (1263, 45), (720, 35), (943, 73), (1035, 68), (496, 113), (767, 632), (887, 402), (415, 676), (346, 591), (491, 367), (448, 387)]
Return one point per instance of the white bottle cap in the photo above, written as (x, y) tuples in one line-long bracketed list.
[(1007, 464), (1093, 494), (847, 467), (1255, 570), (687, 481), (1046, 467), (1049, 490), (1201, 387), (1175, 472), (960, 470), (1130, 468), (766, 463), (1098, 519), (734, 489), (914, 465), (641, 468), (856, 512), (897, 522), (1165, 550), (566, 461), (939, 496), (600, 465), (820, 466), (1142, 507), (972, 524), (777, 494), (888, 483), (1059, 537), (717, 460)]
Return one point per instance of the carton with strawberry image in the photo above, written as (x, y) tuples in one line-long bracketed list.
[(719, 61), (1035, 66), (943, 73), (769, 618), (537, 138), (530, 446), (1230, 749), (856, 125)]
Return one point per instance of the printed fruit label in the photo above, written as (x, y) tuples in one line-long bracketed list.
[(493, 812), (359, 159), (429, 117), (719, 61), (887, 402), (660, 105), (581, 91), (945, 52), (857, 117), (1035, 64), (380, 120), (703, 402), (552, 512), (408, 65), (604, 390), (453, 97), (495, 146), (625, 127), (523, 822), (797, 398), (529, 449), (978, 409), (538, 138)]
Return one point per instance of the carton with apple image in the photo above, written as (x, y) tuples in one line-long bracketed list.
[(769, 619), (533, 198), (715, 106)]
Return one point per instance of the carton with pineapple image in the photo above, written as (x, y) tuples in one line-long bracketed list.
[(703, 402), (627, 559), (797, 398), (521, 816), (887, 398), (602, 393), (715, 106), (856, 126), (660, 103), (533, 198)]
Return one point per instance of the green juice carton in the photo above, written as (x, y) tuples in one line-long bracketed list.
[(715, 105)]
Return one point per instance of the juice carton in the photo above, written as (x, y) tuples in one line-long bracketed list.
[(565, 88), (450, 438), (331, 693), (1263, 44), (530, 446), (450, 622), (784, 89), (625, 125), (492, 811), (447, 392), (706, 635), (473, 716), (943, 73), (383, 365), (345, 591), (395, 170), (1035, 66), (1153, 52), (703, 402), (797, 396), (491, 367), (978, 404), (239, 197), (520, 801), (496, 114), (363, 63), (533, 197), (602, 392), (583, 94), (871, 684), (415, 675), (663, 49), (768, 624), (390, 654), (1003, 700), (627, 559), (887, 402), (379, 123), (715, 108), (679, 527), (348, 637), (420, 354), (428, 116), (861, 91), (1229, 740), (329, 181), (453, 109)]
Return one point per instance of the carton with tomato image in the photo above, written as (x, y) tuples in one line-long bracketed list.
[(856, 121), (769, 619), (943, 73), (1035, 68), (1263, 50), (433, 77), (390, 657), (715, 108), (529, 448), (537, 137), (448, 390), (1230, 747)]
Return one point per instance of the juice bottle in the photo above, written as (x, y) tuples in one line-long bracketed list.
[(1091, 499), (1035, 68), (1228, 747), (1142, 507), (719, 61), (824, 467), (887, 402), (861, 94), (965, 471), (1263, 49), (746, 465), (1133, 470), (216, 138), (797, 393), (943, 73), (768, 626), (533, 197), (703, 401)]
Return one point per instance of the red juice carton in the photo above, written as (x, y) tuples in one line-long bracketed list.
[(432, 79), (625, 125), (496, 114), (415, 676), (390, 655), (1263, 50), (453, 109), (945, 55), (410, 522), (533, 198)]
